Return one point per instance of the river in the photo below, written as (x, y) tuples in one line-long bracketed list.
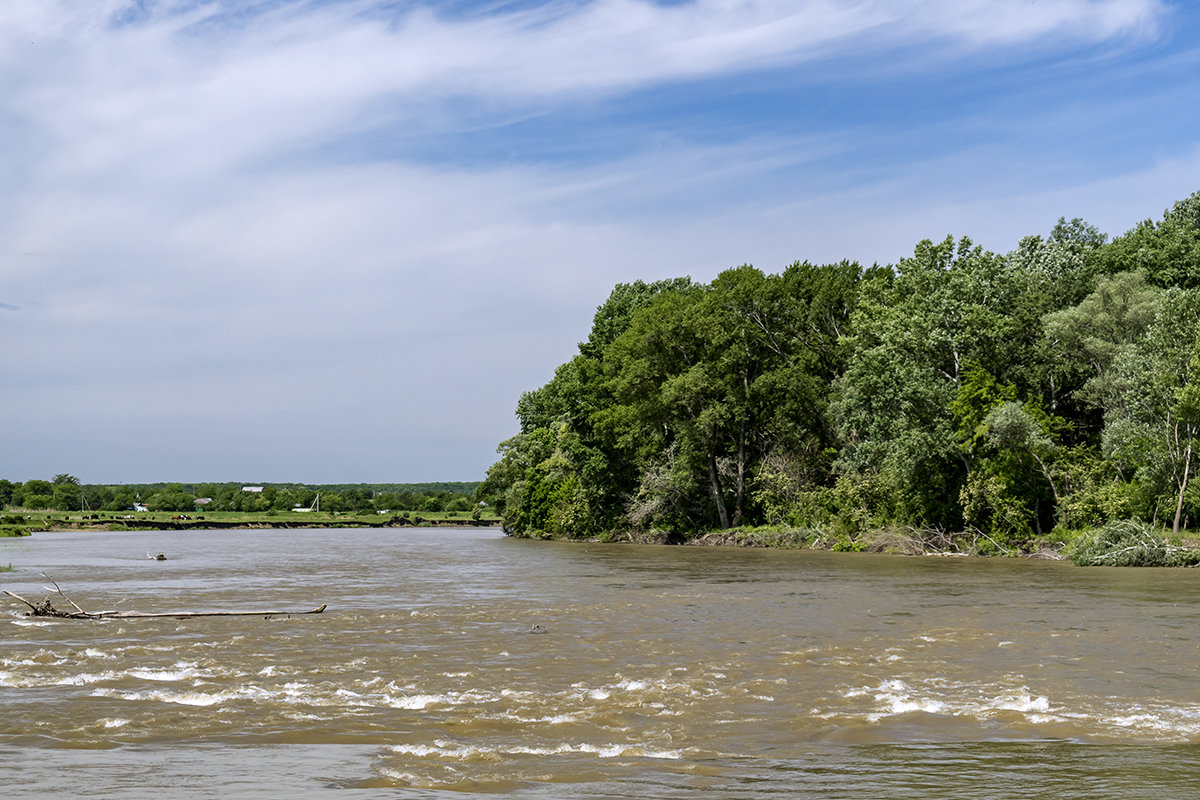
[(453, 662)]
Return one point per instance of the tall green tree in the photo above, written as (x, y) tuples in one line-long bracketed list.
[(950, 305), (558, 453), (708, 385), (1168, 251), (1152, 404)]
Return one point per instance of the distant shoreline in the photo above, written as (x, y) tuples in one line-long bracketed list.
[(111, 523)]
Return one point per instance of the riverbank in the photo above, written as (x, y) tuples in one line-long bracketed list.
[(897, 540), (1123, 543)]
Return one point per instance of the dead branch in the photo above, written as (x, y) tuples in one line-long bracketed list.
[(46, 609), (60, 592), (188, 614)]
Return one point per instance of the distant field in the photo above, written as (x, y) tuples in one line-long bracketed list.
[(14, 523)]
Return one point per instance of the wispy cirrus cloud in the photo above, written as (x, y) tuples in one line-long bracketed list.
[(208, 81)]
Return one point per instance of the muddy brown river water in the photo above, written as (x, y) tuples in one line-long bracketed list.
[(456, 662)]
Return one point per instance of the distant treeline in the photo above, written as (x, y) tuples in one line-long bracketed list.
[(1050, 389), (66, 493)]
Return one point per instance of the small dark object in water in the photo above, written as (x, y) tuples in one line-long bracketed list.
[(159, 557), (538, 629)]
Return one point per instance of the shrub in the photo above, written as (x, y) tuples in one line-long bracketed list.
[(1129, 543)]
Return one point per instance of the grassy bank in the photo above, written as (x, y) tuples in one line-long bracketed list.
[(1124, 543), (900, 540), (17, 525)]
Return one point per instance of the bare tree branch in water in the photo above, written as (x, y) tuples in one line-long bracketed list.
[(45, 608)]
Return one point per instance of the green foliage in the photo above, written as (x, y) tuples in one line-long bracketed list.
[(1001, 395), (978, 395), (1129, 543), (915, 390), (66, 493), (682, 394), (1168, 251), (960, 389), (38, 501)]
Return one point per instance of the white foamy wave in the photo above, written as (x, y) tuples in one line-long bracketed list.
[(302, 717), (422, 750), (115, 722), (409, 778), (26, 679), (176, 673), (895, 697), (85, 678), (443, 749), (417, 702), (187, 698), (192, 698), (179, 672), (42, 658), (625, 750), (1163, 723), (557, 719), (609, 750), (1092, 716), (1023, 703)]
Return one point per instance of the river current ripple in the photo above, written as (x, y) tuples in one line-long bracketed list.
[(462, 662)]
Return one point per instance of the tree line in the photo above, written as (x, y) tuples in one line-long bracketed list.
[(66, 493), (1052, 388)]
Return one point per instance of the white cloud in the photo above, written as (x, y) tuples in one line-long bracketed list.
[(197, 265), (203, 88)]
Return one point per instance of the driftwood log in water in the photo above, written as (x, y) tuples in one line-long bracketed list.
[(46, 609)]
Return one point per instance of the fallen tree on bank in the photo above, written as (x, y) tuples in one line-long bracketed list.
[(1129, 543)]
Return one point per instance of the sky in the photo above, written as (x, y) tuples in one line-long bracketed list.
[(333, 241)]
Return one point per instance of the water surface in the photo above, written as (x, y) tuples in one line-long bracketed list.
[(661, 672)]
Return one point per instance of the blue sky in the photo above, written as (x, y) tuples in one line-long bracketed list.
[(281, 240)]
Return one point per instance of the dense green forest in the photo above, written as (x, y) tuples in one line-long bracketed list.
[(65, 493), (1008, 397)]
